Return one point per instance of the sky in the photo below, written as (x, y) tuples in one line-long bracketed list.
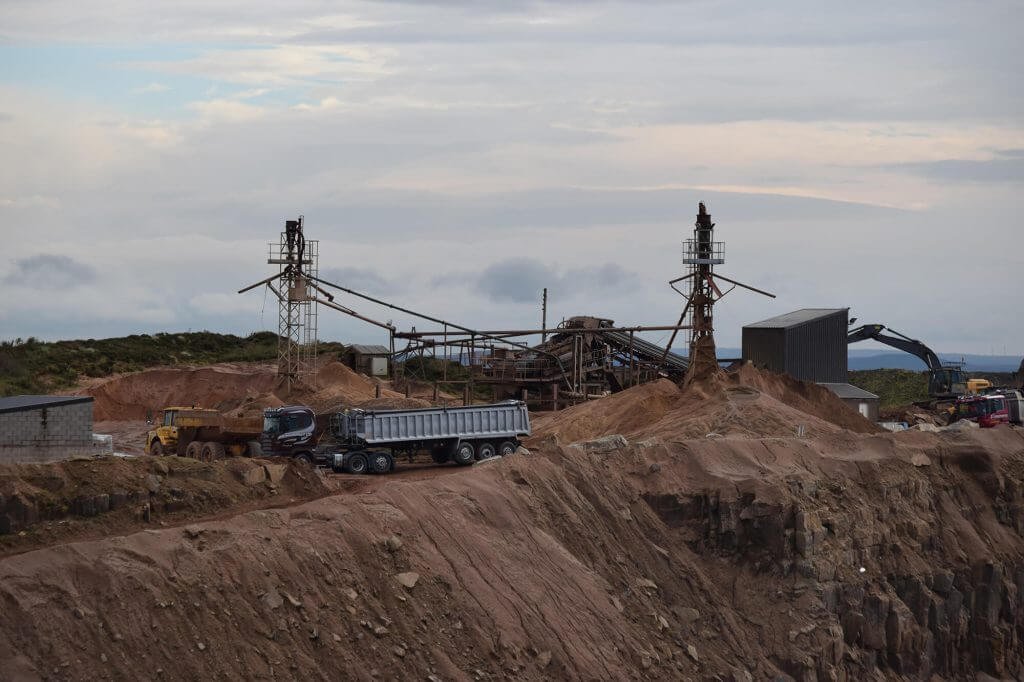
[(458, 157)]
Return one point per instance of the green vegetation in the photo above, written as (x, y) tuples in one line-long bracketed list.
[(32, 366), (899, 387), (894, 387)]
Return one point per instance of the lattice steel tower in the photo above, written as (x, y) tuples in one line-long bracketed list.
[(702, 253), (297, 260)]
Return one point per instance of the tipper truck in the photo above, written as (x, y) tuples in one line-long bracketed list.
[(368, 441), (203, 434)]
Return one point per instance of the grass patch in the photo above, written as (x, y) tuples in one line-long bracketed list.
[(33, 366)]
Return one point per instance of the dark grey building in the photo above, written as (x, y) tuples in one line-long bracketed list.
[(808, 344), (45, 428)]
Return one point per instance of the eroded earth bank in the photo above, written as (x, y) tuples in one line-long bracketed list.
[(654, 534)]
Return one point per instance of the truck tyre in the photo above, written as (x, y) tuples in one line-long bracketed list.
[(156, 449), (304, 457), (212, 451), (485, 451), (253, 449), (380, 463), (194, 449), (356, 463), (464, 454), (506, 448)]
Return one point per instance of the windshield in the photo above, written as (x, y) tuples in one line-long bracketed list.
[(974, 408), (169, 418), (271, 424)]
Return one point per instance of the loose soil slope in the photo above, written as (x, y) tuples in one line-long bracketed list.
[(652, 561), (745, 403), (238, 388), (841, 556)]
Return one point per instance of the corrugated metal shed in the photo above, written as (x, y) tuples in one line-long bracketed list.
[(796, 318), (364, 349), (849, 391), (808, 344), (19, 403), (856, 399)]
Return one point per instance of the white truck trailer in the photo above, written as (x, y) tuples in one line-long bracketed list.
[(368, 441)]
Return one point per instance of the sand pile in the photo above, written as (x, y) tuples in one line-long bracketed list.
[(747, 403), (338, 387), (239, 389), (142, 394)]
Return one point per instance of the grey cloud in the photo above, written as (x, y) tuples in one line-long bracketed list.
[(47, 271), (521, 280), (1010, 168), (361, 279)]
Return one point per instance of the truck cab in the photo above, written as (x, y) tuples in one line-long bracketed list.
[(289, 431), (988, 410)]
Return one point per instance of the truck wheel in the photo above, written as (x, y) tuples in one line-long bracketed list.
[(356, 463), (380, 463), (464, 454), (304, 458), (212, 451), (156, 449), (194, 449), (253, 449), (485, 451), (506, 448)]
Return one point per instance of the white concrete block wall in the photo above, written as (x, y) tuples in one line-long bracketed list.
[(46, 434)]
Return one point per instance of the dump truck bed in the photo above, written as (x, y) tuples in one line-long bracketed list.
[(507, 420)]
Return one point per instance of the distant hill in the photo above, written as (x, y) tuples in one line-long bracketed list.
[(899, 360), (30, 366), (859, 359)]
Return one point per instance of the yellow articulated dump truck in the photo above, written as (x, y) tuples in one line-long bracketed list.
[(204, 434)]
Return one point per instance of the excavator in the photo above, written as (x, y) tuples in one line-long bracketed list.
[(946, 383)]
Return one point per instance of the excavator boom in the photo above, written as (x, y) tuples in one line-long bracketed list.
[(943, 382)]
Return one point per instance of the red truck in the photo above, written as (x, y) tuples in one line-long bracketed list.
[(991, 409)]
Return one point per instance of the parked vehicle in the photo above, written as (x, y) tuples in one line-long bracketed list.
[(369, 441), (203, 434), (991, 409)]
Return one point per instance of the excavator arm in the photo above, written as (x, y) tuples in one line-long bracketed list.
[(900, 341), (944, 382)]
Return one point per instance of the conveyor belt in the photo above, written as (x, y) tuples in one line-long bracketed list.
[(645, 350)]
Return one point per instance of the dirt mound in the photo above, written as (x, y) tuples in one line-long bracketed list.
[(701, 560), (804, 396), (747, 403), (142, 394), (338, 387), (394, 404), (43, 503), (238, 389)]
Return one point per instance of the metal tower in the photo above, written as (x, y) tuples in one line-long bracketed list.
[(702, 253), (297, 260)]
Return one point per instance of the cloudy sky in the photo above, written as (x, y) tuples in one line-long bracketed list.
[(457, 157)]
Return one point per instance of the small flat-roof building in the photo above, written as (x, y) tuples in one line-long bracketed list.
[(45, 428), (369, 359), (808, 344), (856, 398)]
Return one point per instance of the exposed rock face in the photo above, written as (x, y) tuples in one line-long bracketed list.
[(912, 571)]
